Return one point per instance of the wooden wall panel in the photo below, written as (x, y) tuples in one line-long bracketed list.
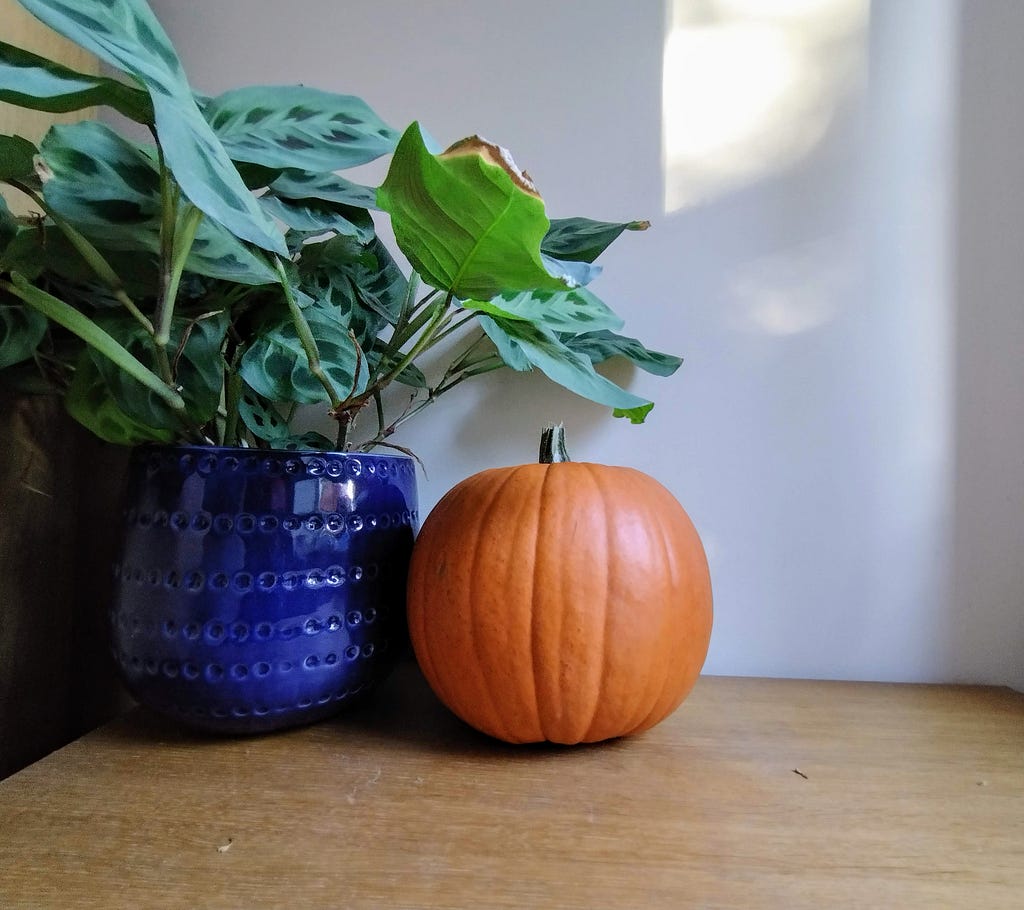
[(23, 30), (55, 680)]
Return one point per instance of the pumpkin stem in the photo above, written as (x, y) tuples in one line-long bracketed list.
[(552, 445)]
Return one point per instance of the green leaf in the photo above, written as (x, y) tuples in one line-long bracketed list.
[(127, 35), (89, 401), (297, 184), (317, 216), (276, 367), (8, 223), (293, 126), (21, 330), (27, 252), (16, 158), (583, 239), (30, 81), (601, 345), (467, 224), (195, 349), (634, 415), (542, 349), (43, 247), (560, 311), (109, 189)]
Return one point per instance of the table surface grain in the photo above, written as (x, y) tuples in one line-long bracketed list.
[(755, 793)]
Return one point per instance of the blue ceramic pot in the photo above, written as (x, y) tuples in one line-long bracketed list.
[(258, 590)]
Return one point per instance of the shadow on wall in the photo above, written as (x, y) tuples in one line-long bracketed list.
[(987, 627)]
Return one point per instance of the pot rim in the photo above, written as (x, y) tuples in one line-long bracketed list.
[(265, 453)]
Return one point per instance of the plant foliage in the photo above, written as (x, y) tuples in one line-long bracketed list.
[(201, 285)]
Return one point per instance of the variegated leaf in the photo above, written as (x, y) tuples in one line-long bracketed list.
[(583, 239), (529, 343), (293, 126), (297, 184), (90, 402), (109, 189), (198, 363), (28, 80), (259, 415), (573, 311), (382, 284), (602, 345), (316, 216), (127, 35), (310, 441), (362, 280), (277, 368)]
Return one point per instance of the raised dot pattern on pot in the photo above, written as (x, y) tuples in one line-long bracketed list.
[(207, 463), (216, 631), (267, 582), (247, 523)]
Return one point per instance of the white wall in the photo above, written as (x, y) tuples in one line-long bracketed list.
[(803, 258)]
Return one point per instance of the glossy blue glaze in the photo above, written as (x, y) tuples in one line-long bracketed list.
[(258, 590)]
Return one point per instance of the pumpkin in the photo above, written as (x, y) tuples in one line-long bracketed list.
[(559, 601)]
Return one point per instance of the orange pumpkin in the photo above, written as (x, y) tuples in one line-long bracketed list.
[(559, 601)]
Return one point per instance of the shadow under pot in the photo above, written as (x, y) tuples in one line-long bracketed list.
[(261, 589)]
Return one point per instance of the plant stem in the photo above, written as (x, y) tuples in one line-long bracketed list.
[(403, 333), (455, 326), (181, 248), (380, 411), (489, 364), (175, 246), (344, 419), (307, 341), (164, 307), (232, 394), (463, 359), (407, 302), (422, 343)]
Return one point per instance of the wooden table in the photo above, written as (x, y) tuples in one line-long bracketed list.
[(756, 793)]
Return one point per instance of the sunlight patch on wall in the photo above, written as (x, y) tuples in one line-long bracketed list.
[(795, 291), (749, 87)]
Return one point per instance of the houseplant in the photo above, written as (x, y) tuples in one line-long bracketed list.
[(197, 288)]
